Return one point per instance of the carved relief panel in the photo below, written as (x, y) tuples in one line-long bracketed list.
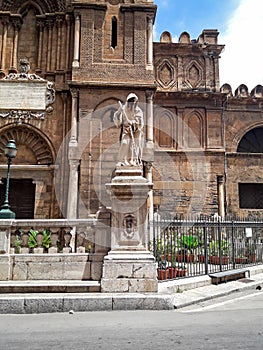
[(194, 75), (166, 74)]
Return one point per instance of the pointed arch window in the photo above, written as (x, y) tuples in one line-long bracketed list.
[(114, 32)]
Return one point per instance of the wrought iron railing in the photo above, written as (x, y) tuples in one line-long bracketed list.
[(185, 248)]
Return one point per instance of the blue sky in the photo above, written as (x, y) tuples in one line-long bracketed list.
[(240, 23)]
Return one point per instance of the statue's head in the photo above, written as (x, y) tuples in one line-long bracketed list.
[(132, 100), (24, 65)]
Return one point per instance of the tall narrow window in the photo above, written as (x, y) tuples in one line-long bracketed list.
[(114, 32)]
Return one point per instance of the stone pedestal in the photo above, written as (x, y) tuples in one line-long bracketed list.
[(129, 266)]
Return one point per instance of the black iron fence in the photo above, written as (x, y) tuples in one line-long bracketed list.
[(185, 248)]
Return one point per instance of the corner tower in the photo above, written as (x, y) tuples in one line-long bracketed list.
[(112, 56)]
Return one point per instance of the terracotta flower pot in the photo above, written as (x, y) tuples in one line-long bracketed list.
[(163, 274), (216, 260), (172, 272), (201, 258), (181, 272), (242, 260), (185, 258)]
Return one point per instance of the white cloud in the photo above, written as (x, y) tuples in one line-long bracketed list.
[(241, 61)]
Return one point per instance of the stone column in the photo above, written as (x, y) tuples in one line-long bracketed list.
[(66, 51), (72, 207), (5, 23), (74, 115), (149, 177), (149, 116), (148, 152), (129, 266), (59, 23), (76, 42), (221, 196), (16, 24), (150, 44), (49, 48), (41, 26), (216, 69)]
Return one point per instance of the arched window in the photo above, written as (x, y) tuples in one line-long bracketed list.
[(114, 32), (252, 141)]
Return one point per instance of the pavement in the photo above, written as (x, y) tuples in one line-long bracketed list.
[(171, 295)]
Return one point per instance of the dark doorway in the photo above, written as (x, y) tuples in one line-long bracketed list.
[(21, 197)]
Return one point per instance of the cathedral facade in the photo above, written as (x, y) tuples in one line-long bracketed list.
[(203, 143)]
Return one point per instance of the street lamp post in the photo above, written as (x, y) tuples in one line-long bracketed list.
[(10, 153)]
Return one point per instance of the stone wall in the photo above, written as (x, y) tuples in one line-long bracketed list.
[(25, 267)]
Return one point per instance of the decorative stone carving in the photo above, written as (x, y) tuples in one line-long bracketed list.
[(24, 95), (129, 224), (193, 74), (166, 73)]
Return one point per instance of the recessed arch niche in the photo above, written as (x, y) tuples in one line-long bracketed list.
[(194, 130)]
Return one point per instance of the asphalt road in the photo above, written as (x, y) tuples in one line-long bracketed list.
[(234, 322)]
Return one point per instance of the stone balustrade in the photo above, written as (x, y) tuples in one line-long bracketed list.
[(53, 249), (48, 236)]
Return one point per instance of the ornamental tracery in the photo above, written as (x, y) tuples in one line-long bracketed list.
[(48, 6)]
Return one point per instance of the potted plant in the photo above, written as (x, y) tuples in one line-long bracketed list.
[(187, 244), (181, 270), (32, 240), (214, 252), (17, 244), (162, 270), (241, 259), (46, 242), (172, 270), (251, 253)]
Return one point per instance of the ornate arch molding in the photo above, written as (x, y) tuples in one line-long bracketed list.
[(46, 6), (30, 137)]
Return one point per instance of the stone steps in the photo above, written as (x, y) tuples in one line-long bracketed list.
[(54, 286)]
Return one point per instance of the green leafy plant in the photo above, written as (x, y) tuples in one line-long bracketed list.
[(160, 248), (32, 241), (188, 243), (214, 248), (17, 243), (46, 238), (162, 264)]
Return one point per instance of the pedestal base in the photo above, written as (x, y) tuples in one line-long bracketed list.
[(129, 272)]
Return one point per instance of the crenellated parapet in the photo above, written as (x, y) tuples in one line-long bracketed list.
[(242, 91), (189, 65)]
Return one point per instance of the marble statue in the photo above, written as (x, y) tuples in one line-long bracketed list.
[(129, 117)]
